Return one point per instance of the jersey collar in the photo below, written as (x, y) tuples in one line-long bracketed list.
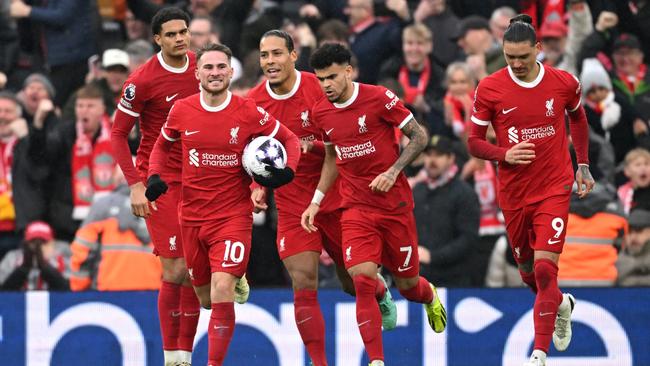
[(355, 94), (290, 94), (175, 70), (218, 108), (531, 84)]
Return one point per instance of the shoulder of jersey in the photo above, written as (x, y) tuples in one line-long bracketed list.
[(258, 92), (192, 56), (562, 74), (140, 74)]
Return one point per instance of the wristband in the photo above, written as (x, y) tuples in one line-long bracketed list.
[(318, 197)]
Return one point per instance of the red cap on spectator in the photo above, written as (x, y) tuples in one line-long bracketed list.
[(555, 29), (38, 230)]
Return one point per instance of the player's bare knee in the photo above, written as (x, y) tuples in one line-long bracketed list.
[(303, 279), (205, 301), (404, 284)]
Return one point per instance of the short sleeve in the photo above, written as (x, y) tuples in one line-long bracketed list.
[(575, 93), (483, 112), (392, 109), (172, 127), (315, 120), (133, 98)]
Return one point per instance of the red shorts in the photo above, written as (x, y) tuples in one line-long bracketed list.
[(539, 226), (220, 246), (164, 228), (293, 239), (391, 240)]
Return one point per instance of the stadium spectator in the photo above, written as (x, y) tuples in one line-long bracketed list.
[(136, 29), (499, 21), (372, 40), (474, 37), (79, 155), (460, 83), (68, 29), (9, 48), (419, 77), (561, 45), (633, 262), (41, 263), (637, 170), (139, 52), (109, 80), (609, 114), (12, 129), (442, 22), (112, 249), (37, 97), (595, 231), (447, 216), (203, 30)]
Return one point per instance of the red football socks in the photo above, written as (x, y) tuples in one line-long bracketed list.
[(311, 325), (220, 330), (170, 314), (369, 316), (421, 292), (380, 290), (190, 309), (529, 279), (546, 302)]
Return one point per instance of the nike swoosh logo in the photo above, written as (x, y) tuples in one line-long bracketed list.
[(188, 133), (364, 323), (551, 242), (506, 111), (545, 314), (226, 265), (400, 269), (329, 131), (176, 313), (169, 98), (302, 321)]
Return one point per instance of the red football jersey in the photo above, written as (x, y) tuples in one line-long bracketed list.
[(213, 139), (149, 94), (293, 110), (533, 112), (362, 131)]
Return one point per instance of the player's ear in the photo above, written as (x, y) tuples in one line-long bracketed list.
[(156, 38), (538, 46), (293, 55), (196, 73)]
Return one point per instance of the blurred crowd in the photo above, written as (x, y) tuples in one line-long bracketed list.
[(65, 218)]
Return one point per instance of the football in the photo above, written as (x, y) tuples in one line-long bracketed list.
[(263, 151)]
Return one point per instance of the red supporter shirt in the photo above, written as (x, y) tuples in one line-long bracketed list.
[(149, 94), (534, 111), (214, 184), (362, 131), (294, 111)]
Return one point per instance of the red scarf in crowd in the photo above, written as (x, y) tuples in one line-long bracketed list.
[(485, 186), (411, 92), (632, 82), (93, 166), (7, 211)]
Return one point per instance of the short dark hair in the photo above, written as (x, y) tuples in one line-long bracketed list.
[(520, 30), (90, 91), (329, 54), (209, 47), (288, 41), (166, 14), (333, 30)]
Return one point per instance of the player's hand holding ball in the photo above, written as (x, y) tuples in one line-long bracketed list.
[(155, 187), (277, 177)]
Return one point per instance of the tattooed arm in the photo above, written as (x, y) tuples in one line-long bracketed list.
[(418, 141)]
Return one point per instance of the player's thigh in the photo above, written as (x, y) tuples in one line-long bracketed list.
[(550, 223), (228, 243), (519, 229), (163, 225), (292, 239), (196, 257), (329, 226), (362, 241), (400, 252)]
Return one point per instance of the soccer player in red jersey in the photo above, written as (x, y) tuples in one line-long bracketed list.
[(148, 95), (214, 126), (378, 227), (289, 95), (526, 103)]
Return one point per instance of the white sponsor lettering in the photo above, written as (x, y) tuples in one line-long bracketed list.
[(355, 151), (536, 133)]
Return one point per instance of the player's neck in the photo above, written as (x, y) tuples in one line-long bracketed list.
[(347, 94), (532, 75), (174, 61), (287, 85), (214, 100)]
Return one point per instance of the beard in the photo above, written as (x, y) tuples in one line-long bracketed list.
[(217, 90)]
